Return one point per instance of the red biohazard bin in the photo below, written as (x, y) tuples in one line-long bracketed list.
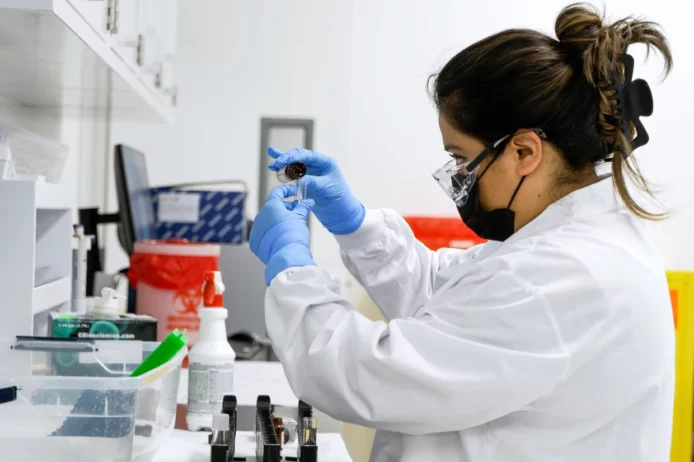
[(168, 276), (443, 232)]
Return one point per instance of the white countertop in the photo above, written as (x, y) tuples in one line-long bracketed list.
[(187, 446), (253, 378)]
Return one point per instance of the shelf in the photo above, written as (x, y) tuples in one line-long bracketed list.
[(38, 195), (52, 197), (53, 58), (51, 295)]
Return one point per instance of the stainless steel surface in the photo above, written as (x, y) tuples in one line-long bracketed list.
[(244, 278)]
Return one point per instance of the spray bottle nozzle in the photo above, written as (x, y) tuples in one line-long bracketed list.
[(108, 302), (213, 290)]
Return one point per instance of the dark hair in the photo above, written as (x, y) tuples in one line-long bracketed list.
[(525, 79)]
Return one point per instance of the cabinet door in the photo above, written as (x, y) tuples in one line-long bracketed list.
[(153, 13), (159, 32), (126, 34), (169, 34), (95, 12)]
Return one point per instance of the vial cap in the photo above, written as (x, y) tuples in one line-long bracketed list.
[(295, 171), (220, 422)]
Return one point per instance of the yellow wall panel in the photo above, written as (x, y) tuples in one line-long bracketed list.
[(682, 297)]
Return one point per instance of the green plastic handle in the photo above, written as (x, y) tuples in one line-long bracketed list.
[(169, 348)]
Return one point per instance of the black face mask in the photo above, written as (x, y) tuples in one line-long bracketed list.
[(495, 225)]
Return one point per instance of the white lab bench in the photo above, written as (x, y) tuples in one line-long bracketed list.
[(192, 447), (253, 378)]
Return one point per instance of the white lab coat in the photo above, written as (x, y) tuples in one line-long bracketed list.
[(556, 345)]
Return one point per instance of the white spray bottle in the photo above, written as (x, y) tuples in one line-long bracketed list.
[(211, 360)]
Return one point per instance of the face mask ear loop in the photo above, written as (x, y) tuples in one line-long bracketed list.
[(515, 192)]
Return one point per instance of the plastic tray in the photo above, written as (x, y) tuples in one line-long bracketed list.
[(76, 402)]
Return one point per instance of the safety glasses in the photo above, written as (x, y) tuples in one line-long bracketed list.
[(457, 178)]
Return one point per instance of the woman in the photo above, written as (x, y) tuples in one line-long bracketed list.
[(551, 342)]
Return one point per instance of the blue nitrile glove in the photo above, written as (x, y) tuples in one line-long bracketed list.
[(280, 235), (336, 207)]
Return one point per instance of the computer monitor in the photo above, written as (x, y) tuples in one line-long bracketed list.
[(134, 199)]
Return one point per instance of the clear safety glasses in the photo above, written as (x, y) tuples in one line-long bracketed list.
[(457, 178)]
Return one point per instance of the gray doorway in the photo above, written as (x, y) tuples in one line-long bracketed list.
[(283, 134)]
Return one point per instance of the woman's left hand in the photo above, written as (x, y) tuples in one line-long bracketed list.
[(280, 235)]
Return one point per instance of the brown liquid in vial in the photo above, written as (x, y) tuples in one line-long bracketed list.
[(295, 171)]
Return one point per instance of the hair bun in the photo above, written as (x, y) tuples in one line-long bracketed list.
[(582, 32), (578, 27)]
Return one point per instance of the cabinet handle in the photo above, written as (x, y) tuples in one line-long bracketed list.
[(112, 13), (173, 91), (140, 50), (110, 9), (116, 16)]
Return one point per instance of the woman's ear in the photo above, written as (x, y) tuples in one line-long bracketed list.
[(527, 147)]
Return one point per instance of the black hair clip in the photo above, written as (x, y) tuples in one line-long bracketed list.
[(634, 99)]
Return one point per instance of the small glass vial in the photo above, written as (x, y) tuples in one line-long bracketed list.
[(290, 430), (308, 430), (291, 172), (278, 425)]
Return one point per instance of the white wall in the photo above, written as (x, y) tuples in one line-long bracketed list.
[(398, 43), (238, 61)]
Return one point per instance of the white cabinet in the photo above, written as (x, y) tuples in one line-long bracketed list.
[(53, 40), (169, 48), (127, 31), (96, 13), (152, 37), (159, 42)]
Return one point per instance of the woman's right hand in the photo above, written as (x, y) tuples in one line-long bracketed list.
[(336, 208)]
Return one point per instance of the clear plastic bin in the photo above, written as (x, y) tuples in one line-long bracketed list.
[(76, 403)]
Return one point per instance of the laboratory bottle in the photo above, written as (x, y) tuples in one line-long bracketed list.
[(81, 245), (211, 360)]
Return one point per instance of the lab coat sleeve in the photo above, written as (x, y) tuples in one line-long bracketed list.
[(469, 359), (397, 270)]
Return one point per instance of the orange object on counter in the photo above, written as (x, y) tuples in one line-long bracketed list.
[(443, 232)]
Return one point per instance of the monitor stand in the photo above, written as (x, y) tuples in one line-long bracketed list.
[(90, 219)]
